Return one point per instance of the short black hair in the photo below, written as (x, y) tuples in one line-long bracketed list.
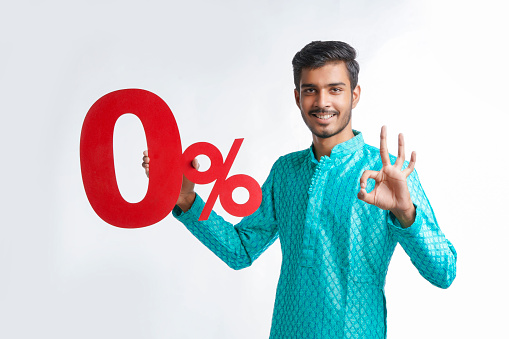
[(317, 53)]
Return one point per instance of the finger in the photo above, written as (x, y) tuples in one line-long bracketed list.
[(146, 159), (195, 163), (401, 152), (366, 197), (188, 185), (145, 166), (384, 153), (368, 174), (411, 164), (363, 194)]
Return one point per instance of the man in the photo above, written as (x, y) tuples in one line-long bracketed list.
[(336, 238)]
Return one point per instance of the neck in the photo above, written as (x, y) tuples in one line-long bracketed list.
[(324, 146)]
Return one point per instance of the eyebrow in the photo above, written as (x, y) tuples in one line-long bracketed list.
[(328, 85), (337, 84)]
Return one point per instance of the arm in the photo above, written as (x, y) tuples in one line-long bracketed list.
[(238, 246), (430, 252), (410, 216)]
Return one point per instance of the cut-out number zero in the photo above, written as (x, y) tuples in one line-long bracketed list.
[(167, 163)]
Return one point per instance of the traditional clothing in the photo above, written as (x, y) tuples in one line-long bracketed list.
[(336, 248)]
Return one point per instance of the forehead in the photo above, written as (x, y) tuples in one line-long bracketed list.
[(331, 72)]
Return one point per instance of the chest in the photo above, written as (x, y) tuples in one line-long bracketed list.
[(317, 208)]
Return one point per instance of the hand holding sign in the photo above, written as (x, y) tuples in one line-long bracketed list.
[(187, 195), (167, 163), (218, 171)]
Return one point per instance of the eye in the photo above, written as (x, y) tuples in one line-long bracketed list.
[(308, 91), (336, 90)]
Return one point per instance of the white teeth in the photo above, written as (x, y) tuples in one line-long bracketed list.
[(325, 116)]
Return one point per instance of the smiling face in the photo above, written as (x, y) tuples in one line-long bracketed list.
[(326, 102)]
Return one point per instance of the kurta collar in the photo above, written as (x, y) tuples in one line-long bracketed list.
[(341, 149)]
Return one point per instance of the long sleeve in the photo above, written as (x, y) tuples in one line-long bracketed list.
[(430, 252), (238, 246), (338, 289)]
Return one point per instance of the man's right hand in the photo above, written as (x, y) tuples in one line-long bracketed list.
[(187, 194)]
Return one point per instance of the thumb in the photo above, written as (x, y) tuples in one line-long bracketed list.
[(196, 164), (188, 185)]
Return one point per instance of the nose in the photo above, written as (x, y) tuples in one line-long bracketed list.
[(322, 99)]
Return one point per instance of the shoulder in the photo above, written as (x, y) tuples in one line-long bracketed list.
[(287, 165), (371, 151), (294, 159)]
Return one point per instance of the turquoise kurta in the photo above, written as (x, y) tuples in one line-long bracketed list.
[(336, 248)]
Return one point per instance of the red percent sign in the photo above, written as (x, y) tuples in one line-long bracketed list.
[(167, 163)]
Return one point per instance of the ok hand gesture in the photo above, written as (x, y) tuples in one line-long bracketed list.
[(391, 190)]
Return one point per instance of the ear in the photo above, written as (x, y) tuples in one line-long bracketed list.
[(356, 95), (297, 97)]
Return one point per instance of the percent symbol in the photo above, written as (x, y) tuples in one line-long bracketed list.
[(218, 171)]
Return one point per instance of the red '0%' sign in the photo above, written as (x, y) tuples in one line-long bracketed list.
[(167, 163)]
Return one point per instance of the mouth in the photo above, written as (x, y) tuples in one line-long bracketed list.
[(324, 116)]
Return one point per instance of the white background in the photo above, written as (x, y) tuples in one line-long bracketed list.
[(435, 70)]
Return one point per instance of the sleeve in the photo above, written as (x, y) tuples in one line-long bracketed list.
[(430, 252), (238, 246)]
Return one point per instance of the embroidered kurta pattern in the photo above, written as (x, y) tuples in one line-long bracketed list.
[(336, 248)]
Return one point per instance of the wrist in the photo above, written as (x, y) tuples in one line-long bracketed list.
[(406, 217), (185, 201)]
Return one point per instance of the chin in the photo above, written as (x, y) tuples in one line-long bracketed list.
[(325, 135)]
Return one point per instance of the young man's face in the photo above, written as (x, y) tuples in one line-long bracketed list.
[(326, 100)]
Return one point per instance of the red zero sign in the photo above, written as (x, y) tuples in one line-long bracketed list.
[(166, 163)]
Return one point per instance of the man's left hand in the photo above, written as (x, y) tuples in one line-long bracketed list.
[(391, 190)]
